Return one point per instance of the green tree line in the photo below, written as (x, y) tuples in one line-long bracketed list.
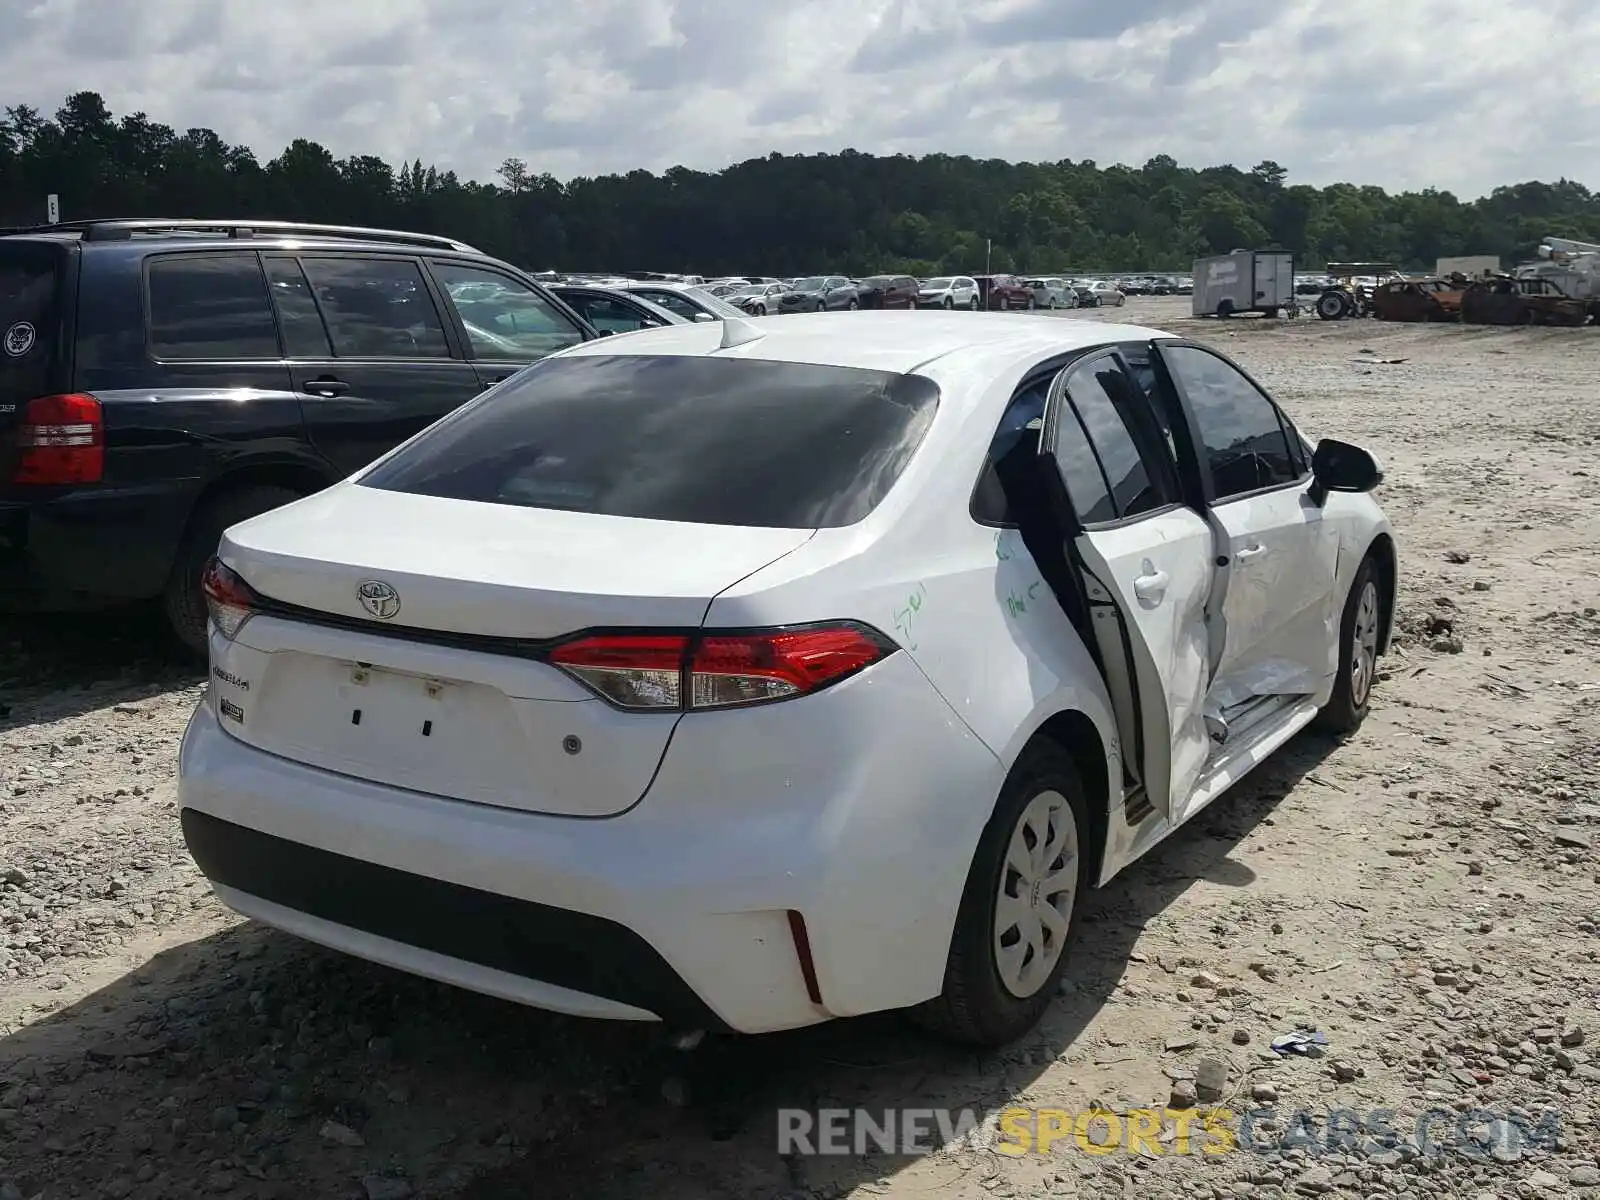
[(782, 214)]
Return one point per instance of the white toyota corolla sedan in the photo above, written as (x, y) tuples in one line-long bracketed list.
[(742, 677)]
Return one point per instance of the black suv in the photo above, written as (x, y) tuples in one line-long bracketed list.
[(163, 380)]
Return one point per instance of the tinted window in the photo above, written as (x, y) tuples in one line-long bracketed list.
[(1080, 471), (210, 307), (712, 441), (304, 335), (1102, 396), (504, 318), (1015, 442), (1243, 439), (376, 308), (603, 312), (28, 317), (673, 302)]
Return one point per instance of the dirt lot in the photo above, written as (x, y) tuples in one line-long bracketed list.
[(1425, 896)]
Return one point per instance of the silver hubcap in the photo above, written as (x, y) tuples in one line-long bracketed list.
[(1364, 645), (1038, 887)]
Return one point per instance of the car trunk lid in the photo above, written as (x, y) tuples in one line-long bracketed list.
[(415, 661)]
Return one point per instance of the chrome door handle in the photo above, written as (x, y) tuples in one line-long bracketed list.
[(1250, 552)]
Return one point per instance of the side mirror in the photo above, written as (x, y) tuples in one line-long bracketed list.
[(1341, 467), (704, 316)]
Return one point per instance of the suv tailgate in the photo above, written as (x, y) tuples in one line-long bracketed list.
[(35, 344)]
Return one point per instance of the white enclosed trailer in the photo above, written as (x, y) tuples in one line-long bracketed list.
[(1259, 281)]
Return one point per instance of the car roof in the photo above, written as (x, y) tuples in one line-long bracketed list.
[(897, 341)]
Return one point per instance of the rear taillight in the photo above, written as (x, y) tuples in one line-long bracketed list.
[(230, 601), (60, 440), (713, 670)]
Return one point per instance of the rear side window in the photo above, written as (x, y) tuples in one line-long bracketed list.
[(677, 438), (210, 308), (376, 308), (1133, 476), (29, 319)]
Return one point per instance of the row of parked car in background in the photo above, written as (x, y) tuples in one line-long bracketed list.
[(766, 295)]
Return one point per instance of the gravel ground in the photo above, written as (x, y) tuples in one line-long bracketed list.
[(1424, 896)]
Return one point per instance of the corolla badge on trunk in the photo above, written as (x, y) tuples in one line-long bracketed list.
[(378, 598)]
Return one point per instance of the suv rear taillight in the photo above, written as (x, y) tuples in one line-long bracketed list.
[(60, 440), (672, 672), (230, 601)]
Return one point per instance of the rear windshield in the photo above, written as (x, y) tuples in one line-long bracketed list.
[(29, 319), (703, 440)]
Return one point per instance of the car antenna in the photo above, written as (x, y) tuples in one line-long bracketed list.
[(736, 332)]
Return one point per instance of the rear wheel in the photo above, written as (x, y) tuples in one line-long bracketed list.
[(182, 601), (973, 304), (1009, 947), (1358, 654), (1331, 306)]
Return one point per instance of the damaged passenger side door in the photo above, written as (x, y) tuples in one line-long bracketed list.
[(1146, 562)]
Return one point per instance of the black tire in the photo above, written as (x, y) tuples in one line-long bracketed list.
[(182, 601), (1225, 309), (1352, 693), (949, 303), (976, 1007), (852, 306), (821, 306), (972, 304), (1033, 303), (1332, 306)]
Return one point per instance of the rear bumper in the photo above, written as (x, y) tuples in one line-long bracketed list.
[(82, 548), (866, 799)]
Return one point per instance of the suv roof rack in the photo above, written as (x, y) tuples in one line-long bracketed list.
[(112, 229)]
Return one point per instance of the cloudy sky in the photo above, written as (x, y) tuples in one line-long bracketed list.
[(1463, 94)]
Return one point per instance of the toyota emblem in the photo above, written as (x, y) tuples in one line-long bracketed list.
[(378, 598)]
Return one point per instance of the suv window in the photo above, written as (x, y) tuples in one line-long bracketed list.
[(304, 335), (675, 438), (504, 318), (1243, 438), (376, 307), (210, 307)]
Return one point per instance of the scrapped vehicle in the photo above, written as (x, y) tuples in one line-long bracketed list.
[(1051, 291), (612, 310), (998, 293), (629, 688), (1348, 294), (949, 291), (1530, 300), (1418, 300), (758, 299), (820, 293), (161, 380), (888, 291), (689, 301)]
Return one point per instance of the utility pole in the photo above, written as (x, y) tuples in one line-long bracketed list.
[(988, 253)]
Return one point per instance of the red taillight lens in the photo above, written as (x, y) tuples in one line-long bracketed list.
[(229, 600), (630, 670), (674, 672), (60, 440)]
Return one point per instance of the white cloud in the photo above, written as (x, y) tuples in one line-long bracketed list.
[(1462, 94)]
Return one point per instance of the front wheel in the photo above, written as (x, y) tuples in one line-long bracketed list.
[(1359, 629), (852, 306), (949, 303), (182, 600), (761, 310), (1009, 947), (822, 306)]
